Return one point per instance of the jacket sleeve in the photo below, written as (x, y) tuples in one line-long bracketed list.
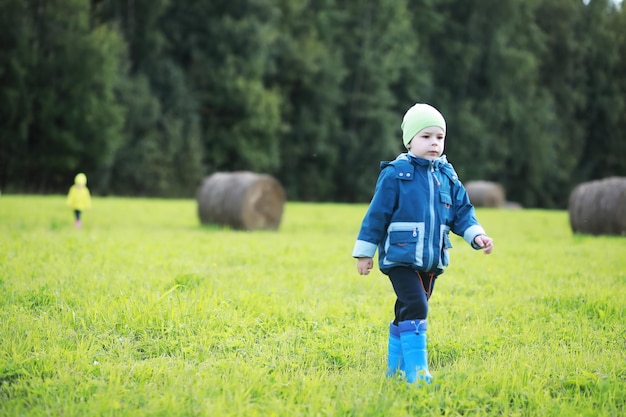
[(87, 198), (374, 226), (465, 223), (71, 196)]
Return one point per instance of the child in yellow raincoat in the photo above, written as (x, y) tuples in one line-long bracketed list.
[(79, 198)]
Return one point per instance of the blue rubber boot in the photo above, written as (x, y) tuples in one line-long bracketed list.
[(395, 359), (413, 340)]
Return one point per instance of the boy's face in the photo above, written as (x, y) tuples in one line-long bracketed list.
[(428, 143)]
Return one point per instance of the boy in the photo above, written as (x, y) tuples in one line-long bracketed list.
[(418, 200), (79, 198)]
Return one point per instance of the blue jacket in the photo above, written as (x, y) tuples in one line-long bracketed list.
[(416, 204)]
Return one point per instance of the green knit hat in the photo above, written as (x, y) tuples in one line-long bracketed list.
[(418, 117)]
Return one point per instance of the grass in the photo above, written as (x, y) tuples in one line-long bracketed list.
[(143, 312)]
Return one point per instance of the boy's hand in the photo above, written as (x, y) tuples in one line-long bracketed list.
[(364, 265), (485, 242)]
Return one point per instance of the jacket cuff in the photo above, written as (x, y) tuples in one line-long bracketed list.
[(471, 233), (363, 249)]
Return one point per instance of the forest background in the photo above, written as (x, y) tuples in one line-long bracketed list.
[(149, 96)]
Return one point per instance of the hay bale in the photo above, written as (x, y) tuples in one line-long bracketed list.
[(242, 200), (513, 205), (599, 207), (485, 194)]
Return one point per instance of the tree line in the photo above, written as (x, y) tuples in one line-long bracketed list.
[(149, 96)]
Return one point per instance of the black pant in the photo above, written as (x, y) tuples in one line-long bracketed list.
[(413, 289), (77, 214)]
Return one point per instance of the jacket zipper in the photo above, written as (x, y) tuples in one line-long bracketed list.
[(431, 232)]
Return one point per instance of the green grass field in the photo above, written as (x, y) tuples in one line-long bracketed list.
[(143, 312)]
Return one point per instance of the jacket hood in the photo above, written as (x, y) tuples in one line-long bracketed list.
[(80, 179), (439, 164)]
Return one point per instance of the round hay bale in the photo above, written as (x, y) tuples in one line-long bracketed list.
[(513, 205), (485, 194), (599, 207), (242, 200)]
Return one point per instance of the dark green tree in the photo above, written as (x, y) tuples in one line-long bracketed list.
[(224, 49), (562, 73), (147, 96), (616, 150), (501, 119), (377, 44), (161, 154), (61, 115), (308, 71), (17, 59), (603, 116)]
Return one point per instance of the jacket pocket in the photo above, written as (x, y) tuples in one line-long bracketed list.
[(404, 243), (445, 198), (446, 203), (446, 244)]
